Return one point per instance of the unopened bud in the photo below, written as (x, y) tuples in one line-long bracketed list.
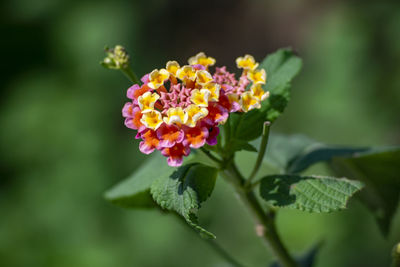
[(117, 58)]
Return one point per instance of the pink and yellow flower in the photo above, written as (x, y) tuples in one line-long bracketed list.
[(180, 108), (157, 78), (195, 137), (169, 135), (201, 59), (150, 142), (247, 62), (175, 154)]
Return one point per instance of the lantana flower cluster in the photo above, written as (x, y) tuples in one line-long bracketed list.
[(180, 107)]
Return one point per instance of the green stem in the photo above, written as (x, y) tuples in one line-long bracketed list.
[(261, 153), (213, 244), (264, 223), (130, 75), (211, 156), (223, 253)]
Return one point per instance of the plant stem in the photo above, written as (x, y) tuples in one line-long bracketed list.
[(261, 153), (211, 156), (265, 225), (223, 253), (130, 75), (264, 222), (212, 243)]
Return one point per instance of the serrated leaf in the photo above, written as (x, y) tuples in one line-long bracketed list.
[(379, 169), (134, 192), (184, 191), (308, 193), (294, 154), (281, 67)]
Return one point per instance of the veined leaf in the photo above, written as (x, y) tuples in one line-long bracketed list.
[(134, 192), (379, 169), (308, 193), (184, 190)]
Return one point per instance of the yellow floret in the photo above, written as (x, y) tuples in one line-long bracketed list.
[(186, 72), (247, 62), (259, 92), (200, 97), (233, 98), (193, 114), (202, 59), (157, 78), (248, 101), (172, 67), (147, 101), (257, 76), (214, 88), (203, 77), (175, 115), (152, 119)]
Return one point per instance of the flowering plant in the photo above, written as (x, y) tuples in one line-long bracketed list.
[(179, 108), (222, 121)]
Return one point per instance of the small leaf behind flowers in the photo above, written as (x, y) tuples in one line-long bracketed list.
[(308, 193), (281, 67)]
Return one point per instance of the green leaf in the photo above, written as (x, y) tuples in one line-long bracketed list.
[(296, 153), (134, 192), (281, 67), (379, 169), (247, 126), (238, 145), (319, 153), (184, 190), (282, 149), (308, 193)]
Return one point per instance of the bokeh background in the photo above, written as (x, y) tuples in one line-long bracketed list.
[(63, 142)]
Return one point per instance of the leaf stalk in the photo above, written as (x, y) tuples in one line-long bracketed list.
[(128, 72), (261, 153)]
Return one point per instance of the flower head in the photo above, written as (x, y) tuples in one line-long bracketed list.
[(180, 107)]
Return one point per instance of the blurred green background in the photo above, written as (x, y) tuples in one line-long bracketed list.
[(63, 142)]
